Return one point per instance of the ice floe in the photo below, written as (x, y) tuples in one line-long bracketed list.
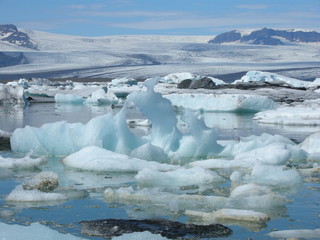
[(221, 102), (178, 178), (24, 162), (312, 145), (68, 98), (93, 158), (296, 234), (11, 94), (258, 76)]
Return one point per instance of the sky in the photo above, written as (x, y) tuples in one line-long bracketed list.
[(158, 17)]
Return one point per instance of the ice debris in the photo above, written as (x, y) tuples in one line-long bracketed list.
[(24, 162), (112, 132), (44, 181), (296, 234), (93, 158), (258, 76), (224, 102)]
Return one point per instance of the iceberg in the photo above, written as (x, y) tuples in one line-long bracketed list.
[(20, 195), (296, 234), (112, 132), (45, 181), (258, 76), (180, 177), (93, 158), (222, 102), (68, 98), (20, 163), (312, 144), (12, 94), (99, 97)]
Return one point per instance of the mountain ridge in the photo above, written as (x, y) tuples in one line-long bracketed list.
[(268, 36)]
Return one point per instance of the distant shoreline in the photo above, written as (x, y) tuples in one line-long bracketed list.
[(54, 75)]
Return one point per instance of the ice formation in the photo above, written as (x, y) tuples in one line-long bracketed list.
[(179, 77), (34, 231), (227, 214), (99, 97), (296, 234), (68, 98), (21, 195), (5, 134), (178, 178), (224, 102), (112, 133), (12, 94), (24, 162), (312, 146), (258, 76), (93, 158)]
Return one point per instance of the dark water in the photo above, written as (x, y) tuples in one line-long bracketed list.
[(88, 202)]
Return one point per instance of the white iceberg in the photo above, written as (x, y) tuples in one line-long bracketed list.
[(12, 94), (179, 77), (21, 195), (312, 145), (227, 214), (258, 76), (45, 181), (20, 163), (68, 98), (221, 102), (295, 116), (178, 178), (99, 97), (174, 202), (296, 234), (93, 158), (112, 132), (5, 134), (150, 152), (34, 231)]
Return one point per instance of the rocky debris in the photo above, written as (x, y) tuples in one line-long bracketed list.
[(116, 227), (204, 82)]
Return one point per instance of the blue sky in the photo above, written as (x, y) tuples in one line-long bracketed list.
[(164, 17)]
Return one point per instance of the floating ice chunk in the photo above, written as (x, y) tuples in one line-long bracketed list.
[(217, 164), (12, 94), (62, 138), (223, 102), (34, 231), (227, 214), (312, 145), (253, 142), (273, 154), (20, 195), (93, 158), (258, 76), (25, 162), (177, 178), (253, 196), (44, 181), (275, 176), (296, 234), (300, 116), (100, 97), (140, 236), (175, 202), (68, 98), (150, 152), (178, 77)]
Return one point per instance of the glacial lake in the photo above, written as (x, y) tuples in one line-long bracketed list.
[(86, 188)]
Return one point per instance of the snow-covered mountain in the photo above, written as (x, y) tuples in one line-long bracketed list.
[(268, 36), (65, 56), (9, 33)]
